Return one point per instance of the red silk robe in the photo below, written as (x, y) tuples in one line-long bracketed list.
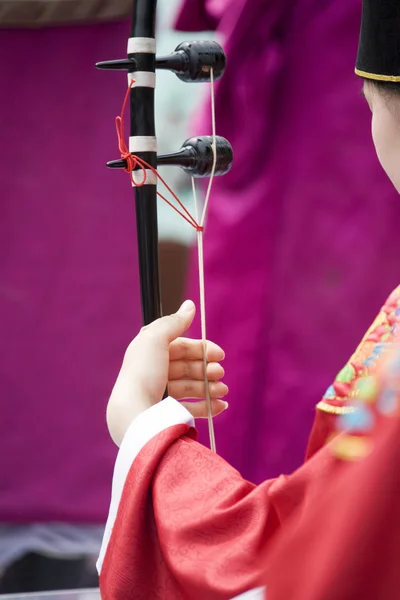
[(188, 526)]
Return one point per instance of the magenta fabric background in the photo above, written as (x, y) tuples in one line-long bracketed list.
[(69, 296)]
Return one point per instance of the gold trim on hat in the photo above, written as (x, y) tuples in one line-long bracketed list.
[(375, 77)]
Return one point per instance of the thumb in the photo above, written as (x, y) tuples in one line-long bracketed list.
[(174, 326)]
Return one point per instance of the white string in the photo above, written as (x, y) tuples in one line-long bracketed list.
[(203, 322), (196, 211), (201, 265), (214, 150)]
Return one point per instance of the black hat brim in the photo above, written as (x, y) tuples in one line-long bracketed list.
[(379, 46)]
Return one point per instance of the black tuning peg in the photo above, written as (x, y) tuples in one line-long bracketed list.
[(120, 64), (191, 62), (195, 157)]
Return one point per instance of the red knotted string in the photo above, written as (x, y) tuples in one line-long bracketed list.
[(134, 161)]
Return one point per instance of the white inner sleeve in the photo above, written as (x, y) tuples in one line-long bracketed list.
[(256, 594), (148, 424)]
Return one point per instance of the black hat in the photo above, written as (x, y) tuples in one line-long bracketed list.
[(379, 47)]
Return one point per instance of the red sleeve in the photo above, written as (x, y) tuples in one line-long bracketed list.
[(347, 544), (190, 527), (324, 427)]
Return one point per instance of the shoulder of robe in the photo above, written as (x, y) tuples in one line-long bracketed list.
[(365, 360)]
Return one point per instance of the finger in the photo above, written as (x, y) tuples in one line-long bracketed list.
[(173, 326), (194, 369), (187, 349), (183, 388), (199, 410)]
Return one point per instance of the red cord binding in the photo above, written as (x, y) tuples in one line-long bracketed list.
[(134, 161)]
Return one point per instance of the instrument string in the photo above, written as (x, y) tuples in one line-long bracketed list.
[(214, 149), (203, 323), (133, 162), (200, 253)]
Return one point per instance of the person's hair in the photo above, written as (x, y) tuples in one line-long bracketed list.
[(386, 87), (390, 91)]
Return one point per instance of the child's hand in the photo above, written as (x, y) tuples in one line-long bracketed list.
[(158, 357), (186, 375)]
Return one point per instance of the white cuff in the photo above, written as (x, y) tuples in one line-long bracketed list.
[(149, 423), (256, 594)]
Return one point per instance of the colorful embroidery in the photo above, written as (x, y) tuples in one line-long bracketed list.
[(354, 394)]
